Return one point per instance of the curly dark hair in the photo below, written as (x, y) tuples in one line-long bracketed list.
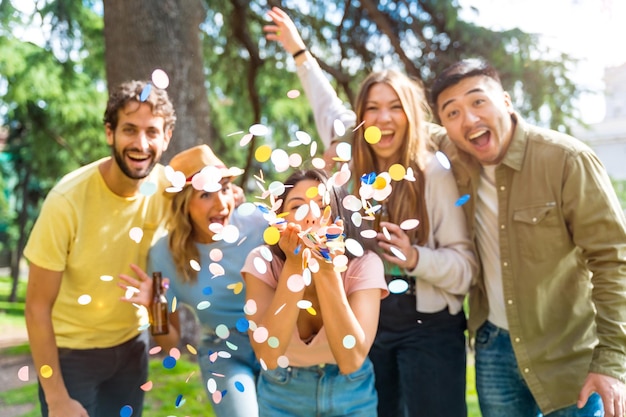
[(130, 91)]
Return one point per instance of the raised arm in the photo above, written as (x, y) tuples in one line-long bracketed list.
[(41, 293), (326, 105)]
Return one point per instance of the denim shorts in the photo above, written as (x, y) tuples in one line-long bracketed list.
[(317, 391)]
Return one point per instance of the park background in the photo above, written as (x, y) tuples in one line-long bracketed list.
[(59, 56)]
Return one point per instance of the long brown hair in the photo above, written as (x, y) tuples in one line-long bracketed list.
[(181, 242), (407, 200)]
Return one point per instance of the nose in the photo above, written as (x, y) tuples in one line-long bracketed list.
[(384, 115), (220, 200), (142, 141), (470, 118)]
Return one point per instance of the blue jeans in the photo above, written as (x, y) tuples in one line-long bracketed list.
[(105, 380), (317, 391), (419, 364), (236, 375), (501, 388)]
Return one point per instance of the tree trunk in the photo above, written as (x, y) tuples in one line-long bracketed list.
[(143, 35), (22, 220)]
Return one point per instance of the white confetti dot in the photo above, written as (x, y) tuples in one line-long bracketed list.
[(136, 234), (160, 79), (295, 283), (409, 224), (84, 299), (259, 130), (354, 247), (349, 341), (260, 334), (443, 159), (398, 286), (398, 253)]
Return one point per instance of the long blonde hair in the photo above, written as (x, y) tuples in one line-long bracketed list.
[(181, 242), (407, 200)]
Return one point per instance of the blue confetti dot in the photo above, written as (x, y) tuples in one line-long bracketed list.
[(126, 411), (169, 362), (368, 178), (207, 291), (462, 200), (263, 209), (239, 386), (145, 93), (242, 325), (178, 400)]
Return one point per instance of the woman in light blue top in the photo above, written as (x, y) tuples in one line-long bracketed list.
[(202, 255)]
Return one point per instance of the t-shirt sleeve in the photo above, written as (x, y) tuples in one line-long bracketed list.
[(257, 266), (52, 237), (366, 272)]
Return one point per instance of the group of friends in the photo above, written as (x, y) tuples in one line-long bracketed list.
[(290, 330)]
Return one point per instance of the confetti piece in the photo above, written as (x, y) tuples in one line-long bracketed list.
[(154, 350), (216, 269), (148, 188), (203, 305), (147, 386), (304, 304), (231, 346), (222, 331), (237, 287), (311, 311), (179, 400), (136, 234), (245, 139), (250, 307), (295, 283), (45, 371), (191, 349), (145, 93), (283, 361), (273, 342), (349, 341), (175, 353), (369, 234), (372, 135), (160, 79), (398, 286), (260, 265), (397, 253), (462, 200), (207, 290), (22, 374), (242, 325), (409, 224), (246, 209), (126, 411), (106, 278), (386, 233), (84, 299), (354, 247), (263, 153), (259, 129), (292, 94), (211, 385), (443, 159), (239, 386), (194, 265), (169, 362), (339, 127), (397, 172), (271, 235), (260, 335)]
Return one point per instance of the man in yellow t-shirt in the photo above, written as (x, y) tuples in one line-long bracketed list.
[(87, 346)]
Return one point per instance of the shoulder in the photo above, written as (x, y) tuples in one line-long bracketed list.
[(558, 141), (78, 178)]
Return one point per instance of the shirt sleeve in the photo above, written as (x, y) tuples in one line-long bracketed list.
[(326, 105), (598, 227)]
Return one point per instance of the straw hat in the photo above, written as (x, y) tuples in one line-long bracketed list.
[(193, 160)]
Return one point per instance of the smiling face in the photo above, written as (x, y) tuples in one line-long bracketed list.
[(206, 208), (298, 197), (476, 113), (384, 110), (138, 141)]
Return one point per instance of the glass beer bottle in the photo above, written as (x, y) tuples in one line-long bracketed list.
[(159, 322)]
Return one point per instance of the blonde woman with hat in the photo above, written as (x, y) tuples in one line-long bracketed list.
[(202, 254)]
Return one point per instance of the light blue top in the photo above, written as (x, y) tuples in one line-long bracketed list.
[(225, 307)]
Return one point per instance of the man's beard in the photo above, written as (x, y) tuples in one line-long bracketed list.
[(119, 158)]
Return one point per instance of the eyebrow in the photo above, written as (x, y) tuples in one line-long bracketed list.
[(473, 90)]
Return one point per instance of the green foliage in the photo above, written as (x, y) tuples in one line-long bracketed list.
[(620, 190)]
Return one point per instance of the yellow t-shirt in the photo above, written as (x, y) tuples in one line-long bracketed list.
[(84, 230)]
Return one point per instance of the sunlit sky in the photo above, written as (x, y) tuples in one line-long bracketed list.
[(590, 30)]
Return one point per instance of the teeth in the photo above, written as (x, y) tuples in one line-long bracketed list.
[(386, 132), (477, 134), (138, 156)]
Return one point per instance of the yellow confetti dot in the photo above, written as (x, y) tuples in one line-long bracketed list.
[(45, 371), (263, 153), (312, 192), (174, 304), (379, 183), (397, 172), (311, 311), (237, 287), (372, 135), (271, 235), (192, 349)]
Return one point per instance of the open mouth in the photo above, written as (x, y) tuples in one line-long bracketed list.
[(479, 138), (386, 136), (137, 157)]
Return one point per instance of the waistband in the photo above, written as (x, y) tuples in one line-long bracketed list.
[(400, 282)]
